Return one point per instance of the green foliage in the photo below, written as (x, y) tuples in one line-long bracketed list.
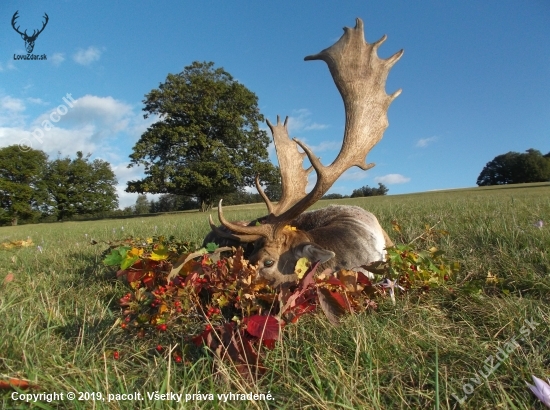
[(142, 205), (80, 186), (207, 142), (516, 168), (22, 189), (335, 196), (368, 191)]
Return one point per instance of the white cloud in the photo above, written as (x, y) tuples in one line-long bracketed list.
[(8, 66), (353, 175), (333, 146), (36, 101), (301, 121), (88, 56), (57, 58), (87, 124), (12, 104), (123, 175), (11, 111), (424, 142), (315, 126), (392, 179)]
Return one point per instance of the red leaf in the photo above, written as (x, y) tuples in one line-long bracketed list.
[(363, 279), (300, 310), (333, 281), (265, 327), (270, 344), (308, 278), (200, 339), (333, 304), (149, 282), (134, 275)]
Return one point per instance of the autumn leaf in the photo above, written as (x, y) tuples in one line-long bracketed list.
[(12, 384), (9, 278), (265, 327), (302, 265), (333, 304), (132, 256), (159, 253)]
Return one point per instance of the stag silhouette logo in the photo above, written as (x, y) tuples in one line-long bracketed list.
[(29, 40)]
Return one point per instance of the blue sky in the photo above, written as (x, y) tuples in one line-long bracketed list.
[(475, 77)]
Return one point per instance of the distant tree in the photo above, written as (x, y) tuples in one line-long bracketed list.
[(274, 189), (206, 142), (515, 168), (368, 191), (78, 186), (142, 205), (171, 203), (333, 196), (22, 191)]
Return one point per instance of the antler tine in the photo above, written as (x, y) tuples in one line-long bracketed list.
[(244, 233), (294, 177), (260, 190), (223, 234)]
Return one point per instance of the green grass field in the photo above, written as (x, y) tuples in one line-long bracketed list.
[(57, 318)]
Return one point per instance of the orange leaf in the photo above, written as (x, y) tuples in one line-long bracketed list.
[(9, 278), (16, 384)]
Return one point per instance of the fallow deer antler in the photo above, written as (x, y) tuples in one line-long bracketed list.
[(360, 76)]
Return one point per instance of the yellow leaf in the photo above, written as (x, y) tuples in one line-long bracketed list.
[(134, 252), (162, 308), (301, 267), (491, 278), (149, 240), (290, 228), (159, 254), (395, 226)]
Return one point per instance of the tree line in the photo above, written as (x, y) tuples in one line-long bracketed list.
[(34, 189)]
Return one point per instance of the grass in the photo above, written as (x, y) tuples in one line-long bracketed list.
[(58, 315)]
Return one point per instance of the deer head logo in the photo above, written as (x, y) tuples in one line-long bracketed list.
[(29, 40)]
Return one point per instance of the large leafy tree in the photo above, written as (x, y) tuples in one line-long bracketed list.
[(206, 142), (80, 186), (22, 191), (515, 168)]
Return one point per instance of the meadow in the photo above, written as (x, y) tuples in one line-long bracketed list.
[(58, 317)]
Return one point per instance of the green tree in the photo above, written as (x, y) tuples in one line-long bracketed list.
[(206, 142), (80, 186), (142, 205), (22, 191), (368, 191), (516, 168)]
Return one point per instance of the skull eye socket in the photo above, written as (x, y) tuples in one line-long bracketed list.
[(268, 263)]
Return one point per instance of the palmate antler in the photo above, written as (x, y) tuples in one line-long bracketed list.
[(360, 76)]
